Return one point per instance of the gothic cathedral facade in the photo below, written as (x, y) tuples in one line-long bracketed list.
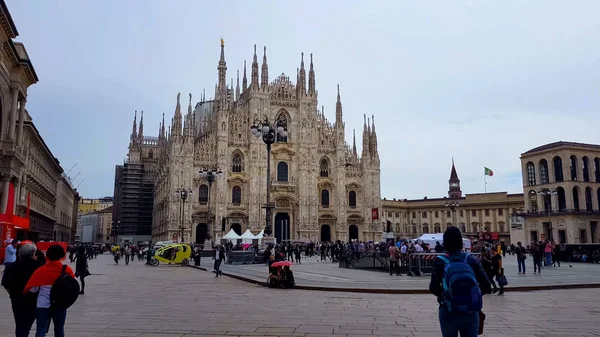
[(321, 188)]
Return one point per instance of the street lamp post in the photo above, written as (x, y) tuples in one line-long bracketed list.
[(116, 231), (210, 175), (183, 194), (549, 192), (269, 133), (453, 205)]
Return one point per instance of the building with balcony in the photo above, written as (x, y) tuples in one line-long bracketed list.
[(479, 216), (561, 182), (16, 76)]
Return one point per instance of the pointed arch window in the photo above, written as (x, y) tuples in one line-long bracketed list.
[(203, 194), (282, 122), (282, 171), (324, 168), (236, 195), (237, 163), (352, 199), (325, 198)]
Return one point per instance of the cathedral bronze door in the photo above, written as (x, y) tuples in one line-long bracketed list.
[(352, 233), (325, 233), (201, 233), (282, 227), (237, 228)]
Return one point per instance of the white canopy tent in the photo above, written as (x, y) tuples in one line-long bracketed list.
[(247, 237), (231, 235), (431, 239)]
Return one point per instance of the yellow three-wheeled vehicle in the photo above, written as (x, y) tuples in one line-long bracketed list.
[(173, 254)]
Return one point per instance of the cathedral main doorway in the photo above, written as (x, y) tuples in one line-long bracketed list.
[(352, 233), (325, 233), (282, 227), (201, 233), (237, 228)]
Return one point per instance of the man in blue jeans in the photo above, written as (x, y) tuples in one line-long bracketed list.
[(452, 323)]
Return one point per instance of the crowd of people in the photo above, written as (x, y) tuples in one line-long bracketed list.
[(42, 289)]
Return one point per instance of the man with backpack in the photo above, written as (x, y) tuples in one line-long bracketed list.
[(459, 282)]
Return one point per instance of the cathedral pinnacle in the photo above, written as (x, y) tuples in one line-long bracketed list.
[(237, 86), (264, 76), (302, 78), (245, 80), (222, 67), (311, 78), (141, 132), (254, 79), (338, 108), (134, 132)]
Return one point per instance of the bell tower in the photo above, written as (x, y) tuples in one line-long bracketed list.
[(454, 191)]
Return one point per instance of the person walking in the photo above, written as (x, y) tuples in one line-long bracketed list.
[(521, 257), (498, 270), (81, 267), (459, 282), (128, 255), (536, 254), (218, 256), (548, 248), (11, 253), (15, 278), (394, 257), (41, 282)]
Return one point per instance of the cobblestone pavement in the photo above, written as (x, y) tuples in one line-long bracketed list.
[(326, 274), (174, 301)]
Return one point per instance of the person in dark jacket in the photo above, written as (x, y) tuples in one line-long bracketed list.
[(81, 267), (15, 278), (451, 323), (218, 256)]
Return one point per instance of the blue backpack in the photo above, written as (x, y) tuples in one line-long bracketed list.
[(461, 289)]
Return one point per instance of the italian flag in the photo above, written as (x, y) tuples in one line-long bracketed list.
[(488, 172)]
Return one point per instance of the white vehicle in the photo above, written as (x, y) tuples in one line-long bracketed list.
[(161, 244)]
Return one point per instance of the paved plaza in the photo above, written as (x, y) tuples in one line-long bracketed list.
[(175, 301), (312, 273)]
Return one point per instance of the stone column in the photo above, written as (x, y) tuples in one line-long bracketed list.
[(21, 121), (554, 201), (4, 194), (540, 202), (17, 195), (13, 113)]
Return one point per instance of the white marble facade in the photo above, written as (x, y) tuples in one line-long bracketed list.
[(321, 187)]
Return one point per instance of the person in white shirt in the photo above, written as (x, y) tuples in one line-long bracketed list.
[(11, 253)]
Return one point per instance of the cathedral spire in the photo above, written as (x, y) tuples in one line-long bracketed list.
[(222, 68), (302, 79), (141, 132), (365, 140), (188, 129), (134, 132), (237, 87), (162, 130), (373, 137), (311, 78), (245, 80), (177, 122), (354, 154), (254, 79), (264, 76), (338, 107)]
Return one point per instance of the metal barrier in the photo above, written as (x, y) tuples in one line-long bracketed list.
[(240, 257), (415, 264)]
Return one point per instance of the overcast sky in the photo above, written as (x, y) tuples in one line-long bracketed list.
[(480, 81)]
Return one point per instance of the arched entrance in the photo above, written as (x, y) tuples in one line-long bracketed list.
[(201, 233), (325, 233), (352, 233), (281, 227), (237, 228)]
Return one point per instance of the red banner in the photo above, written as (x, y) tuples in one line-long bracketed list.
[(375, 214)]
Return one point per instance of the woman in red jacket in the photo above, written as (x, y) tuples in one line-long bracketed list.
[(41, 282)]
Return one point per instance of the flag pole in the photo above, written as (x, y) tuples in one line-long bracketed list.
[(484, 182)]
